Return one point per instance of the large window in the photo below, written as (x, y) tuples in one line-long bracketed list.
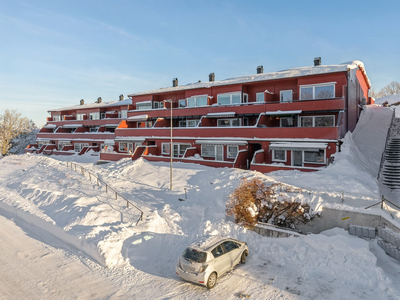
[(80, 116), (317, 157), (286, 96), (320, 91), (79, 146), (165, 148), (57, 118), (286, 122), (123, 114), (126, 147), (228, 122), (158, 104), (179, 149), (317, 121), (278, 155), (145, 124), (260, 97), (197, 101), (232, 151), (143, 105), (95, 116), (189, 123), (215, 151), (233, 98)]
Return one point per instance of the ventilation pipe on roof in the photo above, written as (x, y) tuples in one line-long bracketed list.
[(99, 100), (82, 102), (211, 77), (317, 61), (175, 82), (260, 69), (121, 97)]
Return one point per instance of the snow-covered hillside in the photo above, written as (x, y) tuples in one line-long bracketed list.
[(65, 237)]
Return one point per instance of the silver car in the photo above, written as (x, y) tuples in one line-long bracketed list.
[(207, 259)]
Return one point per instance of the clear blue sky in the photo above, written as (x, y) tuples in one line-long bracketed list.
[(54, 53)]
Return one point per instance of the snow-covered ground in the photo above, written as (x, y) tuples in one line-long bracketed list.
[(64, 237)]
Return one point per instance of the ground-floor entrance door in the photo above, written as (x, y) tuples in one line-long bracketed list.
[(297, 158), (219, 151)]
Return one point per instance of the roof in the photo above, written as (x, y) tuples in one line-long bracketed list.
[(95, 105), (207, 242), (289, 73)]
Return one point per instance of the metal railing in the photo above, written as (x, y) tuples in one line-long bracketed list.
[(386, 142), (78, 168), (384, 202)]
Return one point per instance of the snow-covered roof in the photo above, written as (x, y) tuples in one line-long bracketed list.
[(130, 139), (302, 146), (221, 114), (220, 142), (295, 72), (95, 105), (390, 99)]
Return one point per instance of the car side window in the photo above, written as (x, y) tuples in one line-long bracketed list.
[(230, 245), (217, 251)]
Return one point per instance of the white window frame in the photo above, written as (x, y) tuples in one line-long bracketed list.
[(80, 146), (311, 162), (158, 104), (215, 151), (94, 116), (57, 118), (165, 148), (195, 100), (285, 118), (188, 123), (260, 95), (230, 122), (228, 153), (93, 129), (182, 102), (286, 91), (123, 114), (178, 145), (146, 104), (80, 117), (148, 124), (241, 95), (313, 86), (313, 120), (273, 155), (129, 147)]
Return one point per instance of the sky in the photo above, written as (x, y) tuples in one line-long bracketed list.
[(54, 53)]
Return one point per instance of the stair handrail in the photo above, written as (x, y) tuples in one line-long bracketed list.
[(82, 169), (386, 142)]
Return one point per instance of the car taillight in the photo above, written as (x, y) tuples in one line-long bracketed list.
[(203, 268)]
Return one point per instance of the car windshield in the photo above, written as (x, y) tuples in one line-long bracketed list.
[(194, 255)]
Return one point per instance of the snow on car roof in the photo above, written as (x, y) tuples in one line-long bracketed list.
[(206, 242)]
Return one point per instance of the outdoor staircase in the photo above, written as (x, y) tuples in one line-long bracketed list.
[(390, 172)]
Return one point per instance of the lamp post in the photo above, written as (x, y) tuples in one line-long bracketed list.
[(170, 148)]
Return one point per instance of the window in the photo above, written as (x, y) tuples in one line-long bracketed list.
[(286, 96), (189, 123), (317, 121), (321, 91), (179, 149), (232, 151), (143, 105), (80, 116), (279, 155), (260, 97), (158, 104), (123, 114), (230, 245), (197, 101), (79, 146), (57, 118), (165, 148), (182, 103), (286, 121), (228, 122), (62, 144), (215, 151), (102, 115), (145, 124), (126, 147), (245, 98), (95, 116), (94, 129), (217, 251), (234, 98), (317, 157)]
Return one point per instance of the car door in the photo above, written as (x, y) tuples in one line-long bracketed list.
[(233, 250), (222, 260)]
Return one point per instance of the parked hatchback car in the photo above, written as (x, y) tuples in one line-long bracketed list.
[(205, 260)]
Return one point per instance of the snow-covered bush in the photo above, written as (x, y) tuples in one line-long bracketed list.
[(253, 201)]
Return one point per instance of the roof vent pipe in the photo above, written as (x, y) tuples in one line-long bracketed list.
[(175, 82), (260, 69), (82, 102), (211, 77), (121, 97), (99, 100), (317, 61)]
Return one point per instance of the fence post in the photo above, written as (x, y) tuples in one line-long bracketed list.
[(75, 167), (383, 199), (97, 181), (83, 172), (106, 188), (127, 204), (116, 196), (90, 177), (342, 196), (67, 164)]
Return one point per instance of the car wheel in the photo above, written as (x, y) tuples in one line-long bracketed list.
[(212, 280), (243, 258)]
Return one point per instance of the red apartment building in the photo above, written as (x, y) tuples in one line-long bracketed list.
[(291, 119)]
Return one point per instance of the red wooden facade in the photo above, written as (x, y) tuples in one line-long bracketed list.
[(293, 119)]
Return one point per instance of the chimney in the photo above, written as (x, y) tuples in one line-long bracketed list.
[(260, 69), (211, 77), (317, 61), (175, 82), (99, 100), (82, 101), (121, 97)]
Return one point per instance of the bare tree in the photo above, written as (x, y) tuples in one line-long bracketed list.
[(12, 125), (392, 88)]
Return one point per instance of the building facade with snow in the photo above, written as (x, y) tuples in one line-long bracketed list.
[(291, 119), (81, 128)]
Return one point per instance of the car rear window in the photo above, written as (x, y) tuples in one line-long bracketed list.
[(194, 255)]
